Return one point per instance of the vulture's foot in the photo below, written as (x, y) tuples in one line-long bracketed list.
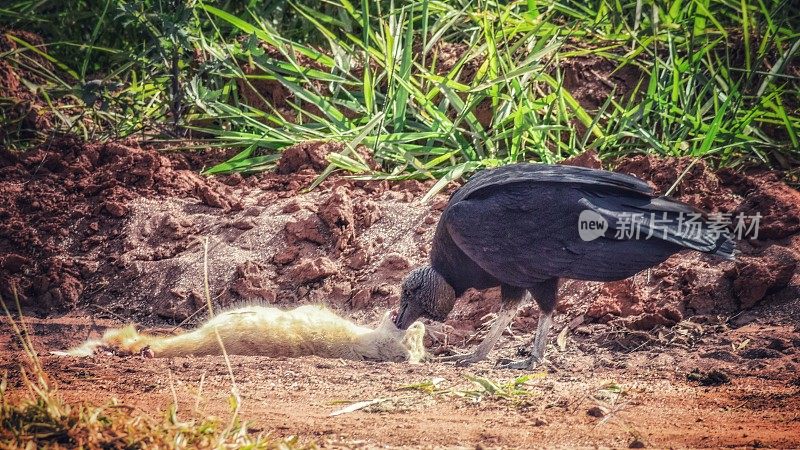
[(465, 359), (539, 346), (528, 363), (482, 351)]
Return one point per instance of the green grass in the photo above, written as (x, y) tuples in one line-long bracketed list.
[(712, 79)]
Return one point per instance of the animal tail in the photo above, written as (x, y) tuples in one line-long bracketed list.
[(689, 227), (199, 342), (127, 341), (667, 219), (124, 340)]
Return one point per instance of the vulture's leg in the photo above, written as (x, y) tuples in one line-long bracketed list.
[(545, 296), (512, 298)]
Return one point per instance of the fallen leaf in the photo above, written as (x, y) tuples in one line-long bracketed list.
[(356, 406), (576, 322), (562, 339)]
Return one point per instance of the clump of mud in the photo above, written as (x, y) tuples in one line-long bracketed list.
[(65, 204), (122, 229), (592, 80)]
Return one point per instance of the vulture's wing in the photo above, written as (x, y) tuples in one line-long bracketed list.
[(548, 173), (519, 235), (523, 230)]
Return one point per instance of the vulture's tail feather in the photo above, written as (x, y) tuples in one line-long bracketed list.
[(689, 227), (665, 219)]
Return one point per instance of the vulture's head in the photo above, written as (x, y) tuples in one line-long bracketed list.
[(425, 294)]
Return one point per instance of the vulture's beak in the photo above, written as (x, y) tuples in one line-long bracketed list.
[(404, 319)]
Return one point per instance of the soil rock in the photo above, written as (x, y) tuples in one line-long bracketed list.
[(306, 229), (217, 198), (313, 155), (338, 214), (395, 262), (253, 281), (588, 159), (757, 276), (308, 270), (592, 79), (764, 195), (307, 155)]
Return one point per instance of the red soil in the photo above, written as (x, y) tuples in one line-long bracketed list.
[(117, 231)]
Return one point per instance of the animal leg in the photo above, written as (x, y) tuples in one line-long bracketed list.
[(539, 345), (545, 296), (508, 309)]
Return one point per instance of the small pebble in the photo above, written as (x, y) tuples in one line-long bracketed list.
[(596, 411)]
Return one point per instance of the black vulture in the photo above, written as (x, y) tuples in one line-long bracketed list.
[(525, 226)]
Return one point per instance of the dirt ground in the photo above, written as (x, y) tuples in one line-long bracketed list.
[(694, 353), (587, 396)]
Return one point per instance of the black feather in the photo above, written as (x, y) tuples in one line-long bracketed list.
[(518, 225)]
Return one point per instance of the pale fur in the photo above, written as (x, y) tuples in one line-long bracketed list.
[(267, 331)]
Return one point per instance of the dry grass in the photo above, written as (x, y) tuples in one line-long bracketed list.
[(42, 419)]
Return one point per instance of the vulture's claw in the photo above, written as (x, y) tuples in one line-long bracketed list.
[(463, 360), (522, 364)]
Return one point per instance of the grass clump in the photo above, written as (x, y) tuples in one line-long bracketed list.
[(45, 421), (433, 89), (482, 388), (514, 390)]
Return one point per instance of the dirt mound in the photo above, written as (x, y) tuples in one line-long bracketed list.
[(689, 285), (727, 191), (313, 155), (694, 284), (65, 205), (751, 193), (592, 79), (764, 193)]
